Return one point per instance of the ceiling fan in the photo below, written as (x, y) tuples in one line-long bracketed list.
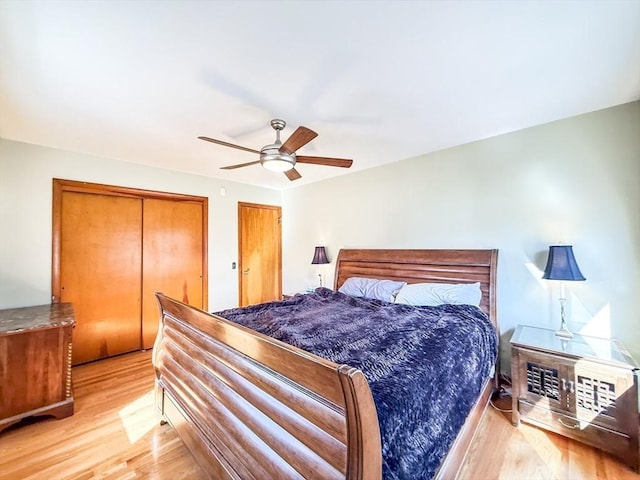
[(281, 157)]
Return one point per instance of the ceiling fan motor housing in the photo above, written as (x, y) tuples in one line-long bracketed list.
[(270, 156)]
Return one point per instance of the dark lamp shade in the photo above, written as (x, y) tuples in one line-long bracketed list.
[(319, 256), (561, 264)]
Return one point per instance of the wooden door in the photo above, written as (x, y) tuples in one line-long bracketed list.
[(260, 256), (172, 258), (100, 272), (98, 262)]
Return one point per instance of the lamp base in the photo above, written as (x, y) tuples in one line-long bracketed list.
[(564, 329)]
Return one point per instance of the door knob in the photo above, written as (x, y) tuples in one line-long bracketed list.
[(246, 272)]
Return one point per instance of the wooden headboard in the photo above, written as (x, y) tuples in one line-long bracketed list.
[(417, 266)]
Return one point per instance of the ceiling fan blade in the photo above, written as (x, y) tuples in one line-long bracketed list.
[(231, 167), (293, 174), (330, 162), (227, 144), (299, 138)]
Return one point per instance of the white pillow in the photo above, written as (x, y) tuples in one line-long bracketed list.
[(433, 294), (371, 288)]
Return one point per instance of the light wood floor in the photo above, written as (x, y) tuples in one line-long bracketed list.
[(501, 451), (114, 434)]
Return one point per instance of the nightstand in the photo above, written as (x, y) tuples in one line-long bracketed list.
[(585, 388), (288, 296)]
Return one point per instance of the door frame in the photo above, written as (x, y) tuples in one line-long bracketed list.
[(61, 185)]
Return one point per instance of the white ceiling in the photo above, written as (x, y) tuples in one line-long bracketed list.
[(379, 81)]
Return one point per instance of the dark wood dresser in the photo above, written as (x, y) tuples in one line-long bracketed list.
[(35, 362)]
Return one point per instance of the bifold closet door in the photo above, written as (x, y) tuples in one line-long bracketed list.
[(101, 271), (172, 258)]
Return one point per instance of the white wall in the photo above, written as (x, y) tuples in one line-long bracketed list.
[(26, 173), (576, 181)]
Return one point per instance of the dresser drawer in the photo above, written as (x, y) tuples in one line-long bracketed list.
[(609, 440)]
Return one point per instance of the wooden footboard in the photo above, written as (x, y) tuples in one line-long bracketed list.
[(249, 406)]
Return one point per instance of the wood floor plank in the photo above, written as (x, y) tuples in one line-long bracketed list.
[(115, 435)]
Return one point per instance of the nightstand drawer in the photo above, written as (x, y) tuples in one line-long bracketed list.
[(600, 437)]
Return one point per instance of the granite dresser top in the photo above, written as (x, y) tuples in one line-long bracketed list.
[(54, 315)]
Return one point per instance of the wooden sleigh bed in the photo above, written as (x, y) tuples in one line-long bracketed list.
[(251, 407)]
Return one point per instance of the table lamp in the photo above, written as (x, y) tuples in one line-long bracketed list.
[(562, 266), (319, 258)]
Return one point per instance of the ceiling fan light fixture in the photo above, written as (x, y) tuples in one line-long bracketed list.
[(277, 164), (275, 161)]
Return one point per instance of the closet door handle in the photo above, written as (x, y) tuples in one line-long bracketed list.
[(246, 272)]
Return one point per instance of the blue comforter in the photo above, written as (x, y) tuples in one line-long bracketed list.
[(425, 365)]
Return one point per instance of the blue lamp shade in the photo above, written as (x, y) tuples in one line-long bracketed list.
[(319, 256), (562, 265)]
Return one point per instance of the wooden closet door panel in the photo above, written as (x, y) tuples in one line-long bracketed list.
[(172, 258), (260, 261), (100, 272)]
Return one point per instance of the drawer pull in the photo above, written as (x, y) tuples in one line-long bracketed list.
[(567, 425)]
